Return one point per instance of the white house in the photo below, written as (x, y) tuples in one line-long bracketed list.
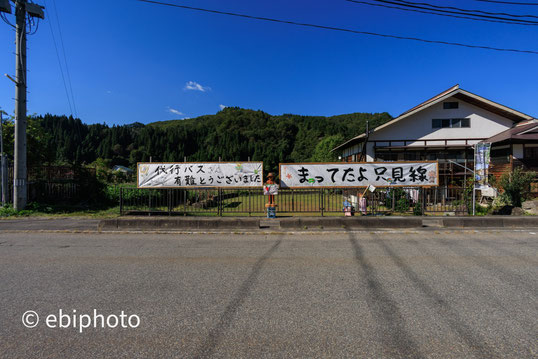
[(443, 128)]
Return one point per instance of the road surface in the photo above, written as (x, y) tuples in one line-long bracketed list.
[(414, 294)]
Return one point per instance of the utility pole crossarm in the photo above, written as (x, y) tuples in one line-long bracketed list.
[(5, 6)]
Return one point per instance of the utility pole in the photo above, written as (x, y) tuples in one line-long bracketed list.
[(3, 163), (20, 190), (20, 176)]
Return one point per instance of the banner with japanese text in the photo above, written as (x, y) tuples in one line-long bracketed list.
[(355, 174), (207, 174), (481, 163)]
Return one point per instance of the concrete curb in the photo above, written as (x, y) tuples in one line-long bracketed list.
[(307, 223), (178, 223)]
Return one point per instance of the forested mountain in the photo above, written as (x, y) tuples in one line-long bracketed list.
[(232, 134)]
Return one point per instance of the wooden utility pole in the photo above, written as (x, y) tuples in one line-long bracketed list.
[(3, 162), (20, 190), (20, 176)]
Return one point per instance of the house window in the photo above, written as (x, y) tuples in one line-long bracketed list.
[(413, 156), (386, 156), (456, 123), (450, 105), (500, 152), (531, 153), (451, 122)]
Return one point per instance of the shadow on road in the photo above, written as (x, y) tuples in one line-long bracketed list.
[(502, 273), (441, 306), (210, 344), (391, 321)]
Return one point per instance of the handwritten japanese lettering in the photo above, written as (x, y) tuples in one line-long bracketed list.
[(225, 174), (377, 174)]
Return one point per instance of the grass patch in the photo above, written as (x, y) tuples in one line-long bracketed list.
[(34, 209)]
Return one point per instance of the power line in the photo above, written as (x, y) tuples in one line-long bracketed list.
[(60, 64), (31, 23), (4, 18), (65, 58), (510, 2), (466, 10), (340, 29), (410, 5), (510, 21)]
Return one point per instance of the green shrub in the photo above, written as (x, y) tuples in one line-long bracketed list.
[(481, 210), (402, 204), (516, 186), (417, 209), (31, 208), (7, 211)]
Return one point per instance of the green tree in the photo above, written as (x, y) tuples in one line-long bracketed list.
[(232, 134), (322, 151), (8, 129), (516, 185)]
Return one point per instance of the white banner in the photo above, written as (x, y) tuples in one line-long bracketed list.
[(358, 174), (481, 163), (207, 174)]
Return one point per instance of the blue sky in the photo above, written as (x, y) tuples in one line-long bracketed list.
[(130, 61)]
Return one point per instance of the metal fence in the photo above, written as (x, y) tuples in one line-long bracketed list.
[(251, 202), (53, 184), (42, 191)]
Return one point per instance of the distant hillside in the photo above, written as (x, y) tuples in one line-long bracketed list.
[(232, 134)]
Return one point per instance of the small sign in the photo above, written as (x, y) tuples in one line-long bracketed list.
[(270, 189)]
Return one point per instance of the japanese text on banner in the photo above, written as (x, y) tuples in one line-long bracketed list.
[(378, 174), (212, 174)]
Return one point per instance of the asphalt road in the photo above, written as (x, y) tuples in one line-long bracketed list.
[(48, 224), (426, 294)]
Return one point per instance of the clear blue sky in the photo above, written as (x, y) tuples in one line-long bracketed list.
[(130, 61)]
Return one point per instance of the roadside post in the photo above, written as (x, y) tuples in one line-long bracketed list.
[(3, 164)]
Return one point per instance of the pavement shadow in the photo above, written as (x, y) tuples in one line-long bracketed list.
[(496, 247), (394, 334), (207, 349), (441, 306), (489, 296), (495, 268)]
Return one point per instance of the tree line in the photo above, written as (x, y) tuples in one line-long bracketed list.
[(233, 134)]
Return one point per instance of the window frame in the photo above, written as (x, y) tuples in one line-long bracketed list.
[(451, 105), (439, 123)]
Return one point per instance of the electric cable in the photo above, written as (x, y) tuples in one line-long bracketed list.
[(510, 2), (61, 68), (466, 10), (508, 21), (340, 29), (452, 12), (65, 59)]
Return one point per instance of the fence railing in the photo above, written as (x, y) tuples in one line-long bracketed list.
[(52, 184), (42, 191), (251, 202)]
